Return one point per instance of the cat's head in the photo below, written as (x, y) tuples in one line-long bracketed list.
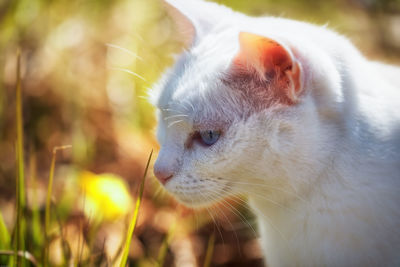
[(234, 111)]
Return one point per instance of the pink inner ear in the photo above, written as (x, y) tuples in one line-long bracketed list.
[(272, 62)]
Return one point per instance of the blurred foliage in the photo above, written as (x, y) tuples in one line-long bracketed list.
[(4, 235), (86, 69)]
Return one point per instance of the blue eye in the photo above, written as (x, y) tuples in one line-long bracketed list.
[(209, 137)]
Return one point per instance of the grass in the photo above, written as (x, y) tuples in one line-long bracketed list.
[(48, 201), (20, 182), (24, 255), (4, 234), (164, 246), (36, 227), (132, 225), (27, 247), (210, 250), (18, 256)]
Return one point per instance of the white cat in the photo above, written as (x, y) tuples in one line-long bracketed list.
[(292, 115)]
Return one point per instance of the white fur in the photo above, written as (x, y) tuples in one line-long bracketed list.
[(322, 176)]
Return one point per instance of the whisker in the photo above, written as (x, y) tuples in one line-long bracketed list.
[(175, 116), (272, 225), (272, 187), (276, 229), (185, 107), (233, 228), (216, 224), (265, 198), (190, 104), (235, 211), (158, 192), (125, 50), (138, 36), (169, 109), (173, 123), (268, 220), (218, 209), (214, 220), (243, 218), (238, 213), (130, 72), (147, 98), (196, 219), (149, 91)]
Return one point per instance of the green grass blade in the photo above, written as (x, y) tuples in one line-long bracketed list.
[(48, 202), (20, 135), (21, 254), (20, 233), (37, 233), (4, 234), (132, 225), (164, 246), (210, 251), (66, 249), (15, 234)]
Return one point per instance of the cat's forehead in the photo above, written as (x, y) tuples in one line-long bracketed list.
[(209, 55), (195, 78)]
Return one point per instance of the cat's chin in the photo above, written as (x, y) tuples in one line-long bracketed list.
[(201, 198), (198, 204)]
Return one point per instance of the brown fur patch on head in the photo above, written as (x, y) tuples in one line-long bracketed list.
[(257, 93)]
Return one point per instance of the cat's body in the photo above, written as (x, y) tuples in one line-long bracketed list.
[(299, 121)]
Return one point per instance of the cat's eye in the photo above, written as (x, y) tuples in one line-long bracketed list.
[(209, 137)]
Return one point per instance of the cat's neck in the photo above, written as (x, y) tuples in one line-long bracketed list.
[(345, 201), (341, 209)]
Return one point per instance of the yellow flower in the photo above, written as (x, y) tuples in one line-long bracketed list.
[(106, 196)]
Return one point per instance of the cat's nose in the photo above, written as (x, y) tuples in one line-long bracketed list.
[(166, 164), (162, 174)]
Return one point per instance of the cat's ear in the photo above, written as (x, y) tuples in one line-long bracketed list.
[(185, 26), (194, 18), (271, 61)]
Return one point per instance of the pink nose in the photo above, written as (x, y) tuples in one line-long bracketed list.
[(162, 175)]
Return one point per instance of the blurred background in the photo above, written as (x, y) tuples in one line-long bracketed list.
[(86, 66)]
